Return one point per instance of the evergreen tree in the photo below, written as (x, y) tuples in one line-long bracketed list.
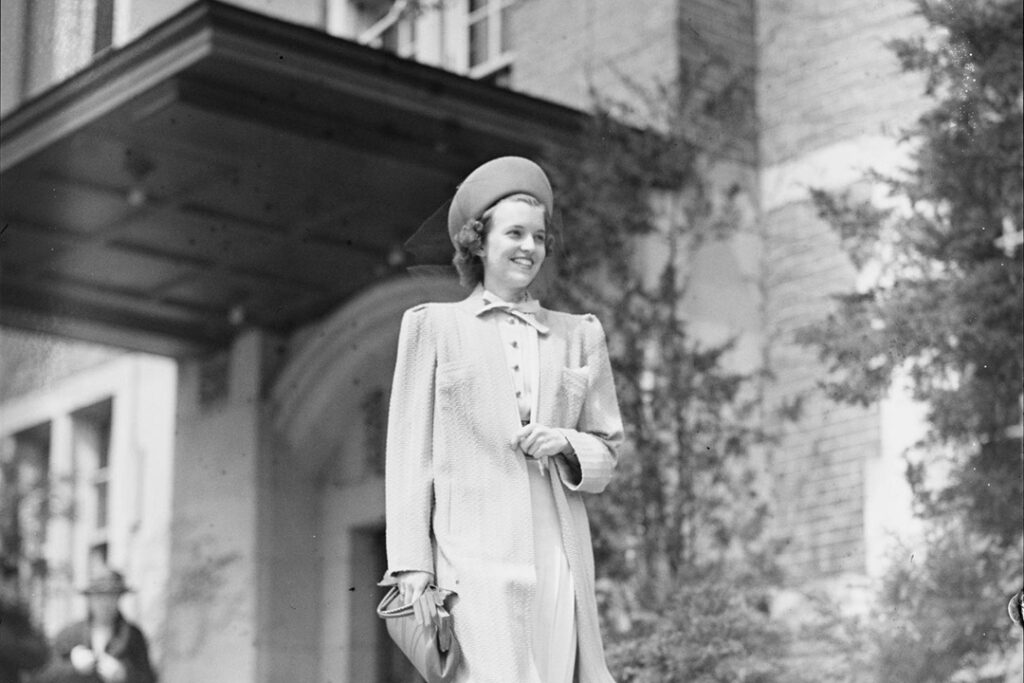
[(681, 552), (946, 312)]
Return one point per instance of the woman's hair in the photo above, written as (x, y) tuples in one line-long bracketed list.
[(471, 237)]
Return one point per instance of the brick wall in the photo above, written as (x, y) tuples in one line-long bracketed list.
[(818, 468), (565, 48), (825, 73), (831, 100), (568, 49), (825, 90)]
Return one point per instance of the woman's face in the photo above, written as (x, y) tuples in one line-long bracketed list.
[(513, 249)]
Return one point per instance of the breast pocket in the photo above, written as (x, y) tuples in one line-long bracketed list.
[(455, 380), (572, 394)]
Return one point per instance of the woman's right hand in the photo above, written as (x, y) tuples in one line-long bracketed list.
[(412, 588), (82, 659)]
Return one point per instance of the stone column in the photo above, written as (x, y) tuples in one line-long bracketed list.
[(213, 604)]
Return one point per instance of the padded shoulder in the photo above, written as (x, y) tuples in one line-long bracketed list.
[(418, 309), (427, 309)]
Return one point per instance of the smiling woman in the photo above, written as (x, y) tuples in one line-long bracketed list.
[(505, 247), (503, 416)]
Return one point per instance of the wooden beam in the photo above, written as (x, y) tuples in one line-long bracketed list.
[(54, 308)]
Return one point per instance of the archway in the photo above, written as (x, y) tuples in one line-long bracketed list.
[(330, 410)]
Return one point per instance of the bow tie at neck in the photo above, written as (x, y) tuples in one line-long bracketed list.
[(523, 310)]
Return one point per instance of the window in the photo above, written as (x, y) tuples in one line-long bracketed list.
[(390, 26), (489, 37), (91, 454), (63, 38), (40, 58), (103, 26), (400, 37), (97, 559), (24, 493), (25, 505)]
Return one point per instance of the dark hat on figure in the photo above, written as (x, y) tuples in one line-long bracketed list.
[(107, 581), (495, 180)]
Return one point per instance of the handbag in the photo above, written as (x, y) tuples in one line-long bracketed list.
[(434, 651)]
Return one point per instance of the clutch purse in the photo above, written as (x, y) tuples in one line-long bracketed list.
[(433, 651)]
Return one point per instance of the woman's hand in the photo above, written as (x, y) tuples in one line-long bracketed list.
[(538, 441), (82, 659), (110, 669), (412, 588)]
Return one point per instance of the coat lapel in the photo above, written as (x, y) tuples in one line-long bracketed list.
[(549, 371)]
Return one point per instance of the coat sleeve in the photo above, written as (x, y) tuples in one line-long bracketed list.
[(135, 658), (598, 433), (409, 482), (58, 669)]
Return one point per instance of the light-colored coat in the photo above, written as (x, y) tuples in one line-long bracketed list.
[(457, 492)]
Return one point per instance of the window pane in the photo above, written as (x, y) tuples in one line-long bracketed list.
[(98, 558), (101, 505), (478, 47), (506, 30), (42, 22), (103, 447), (474, 5), (103, 32), (25, 492), (389, 39)]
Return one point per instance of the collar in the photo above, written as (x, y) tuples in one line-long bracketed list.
[(528, 310)]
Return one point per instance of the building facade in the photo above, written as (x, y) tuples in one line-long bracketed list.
[(254, 530), (88, 477)]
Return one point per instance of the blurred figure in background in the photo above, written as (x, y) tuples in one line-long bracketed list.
[(105, 648), (22, 647)]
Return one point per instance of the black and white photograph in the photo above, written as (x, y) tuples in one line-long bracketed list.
[(511, 341)]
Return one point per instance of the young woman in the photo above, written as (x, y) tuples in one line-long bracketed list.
[(503, 415)]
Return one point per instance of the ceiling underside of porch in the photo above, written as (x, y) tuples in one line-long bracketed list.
[(228, 169)]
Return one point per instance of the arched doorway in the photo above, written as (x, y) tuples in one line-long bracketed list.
[(330, 407)]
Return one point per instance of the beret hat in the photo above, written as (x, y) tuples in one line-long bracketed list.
[(494, 180)]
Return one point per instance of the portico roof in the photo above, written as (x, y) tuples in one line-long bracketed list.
[(228, 169)]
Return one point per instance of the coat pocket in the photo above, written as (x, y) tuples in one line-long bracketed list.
[(572, 394), (455, 373), (455, 370), (455, 381)]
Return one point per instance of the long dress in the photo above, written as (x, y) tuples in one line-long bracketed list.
[(554, 622)]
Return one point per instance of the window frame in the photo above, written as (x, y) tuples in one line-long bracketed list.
[(93, 428), (497, 58)]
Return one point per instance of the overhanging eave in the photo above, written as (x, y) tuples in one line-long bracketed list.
[(230, 169)]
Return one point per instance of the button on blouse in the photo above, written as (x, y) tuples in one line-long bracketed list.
[(519, 344)]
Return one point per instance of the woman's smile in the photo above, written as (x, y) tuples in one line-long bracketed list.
[(514, 248)]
